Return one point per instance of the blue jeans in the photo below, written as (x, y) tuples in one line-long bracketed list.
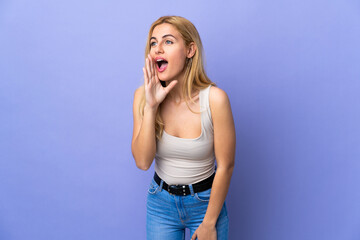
[(168, 215)]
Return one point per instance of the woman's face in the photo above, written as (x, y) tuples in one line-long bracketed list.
[(169, 52)]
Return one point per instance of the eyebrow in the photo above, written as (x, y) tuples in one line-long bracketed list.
[(166, 35)]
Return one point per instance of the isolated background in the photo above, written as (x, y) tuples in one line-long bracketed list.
[(68, 72)]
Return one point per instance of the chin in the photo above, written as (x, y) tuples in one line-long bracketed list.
[(164, 78)]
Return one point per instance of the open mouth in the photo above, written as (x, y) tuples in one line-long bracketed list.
[(161, 64)]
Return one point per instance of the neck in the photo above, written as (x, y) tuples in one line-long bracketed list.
[(176, 95)]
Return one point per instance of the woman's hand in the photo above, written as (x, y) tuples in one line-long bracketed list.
[(155, 93), (204, 232)]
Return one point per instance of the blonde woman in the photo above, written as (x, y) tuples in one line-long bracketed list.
[(184, 122)]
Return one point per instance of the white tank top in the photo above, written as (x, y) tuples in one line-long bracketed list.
[(188, 161)]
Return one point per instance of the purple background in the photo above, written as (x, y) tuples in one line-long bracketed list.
[(68, 72)]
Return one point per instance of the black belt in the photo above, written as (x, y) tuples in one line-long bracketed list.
[(184, 190)]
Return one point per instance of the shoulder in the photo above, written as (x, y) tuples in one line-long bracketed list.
[(138, 93), (218, 98)]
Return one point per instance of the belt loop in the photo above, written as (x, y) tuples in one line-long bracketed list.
[(161, 185), (191, 189)]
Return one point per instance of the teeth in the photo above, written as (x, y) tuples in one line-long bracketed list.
[(159, 60)]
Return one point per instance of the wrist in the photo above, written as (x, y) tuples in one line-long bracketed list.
[(150, 108), (209, 223)]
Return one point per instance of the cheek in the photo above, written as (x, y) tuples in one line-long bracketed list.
[(152, 52), (179, 60)]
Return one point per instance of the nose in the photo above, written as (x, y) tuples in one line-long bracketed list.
[(159, 49)]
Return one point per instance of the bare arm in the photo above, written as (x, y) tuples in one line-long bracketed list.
[(143, 144), (224, 145)]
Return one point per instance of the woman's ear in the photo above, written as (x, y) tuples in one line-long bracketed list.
[(191, 50)]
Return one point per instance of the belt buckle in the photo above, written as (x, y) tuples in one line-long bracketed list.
[(177, 187)]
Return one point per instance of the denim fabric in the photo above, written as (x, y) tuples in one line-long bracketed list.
[(168, 215)]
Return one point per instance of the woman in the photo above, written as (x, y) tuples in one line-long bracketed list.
[(183, 121)]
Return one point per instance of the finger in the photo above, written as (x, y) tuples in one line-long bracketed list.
[(156, 78), (148, 69), (151, 66), (151, 76), (170, 86), (146, 80), (194, 236), (147, 72), (153, 72)]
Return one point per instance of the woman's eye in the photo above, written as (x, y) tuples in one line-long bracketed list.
[(168, 42), (152, 44)]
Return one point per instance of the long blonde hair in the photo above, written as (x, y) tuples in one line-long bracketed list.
[(195, 76)]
